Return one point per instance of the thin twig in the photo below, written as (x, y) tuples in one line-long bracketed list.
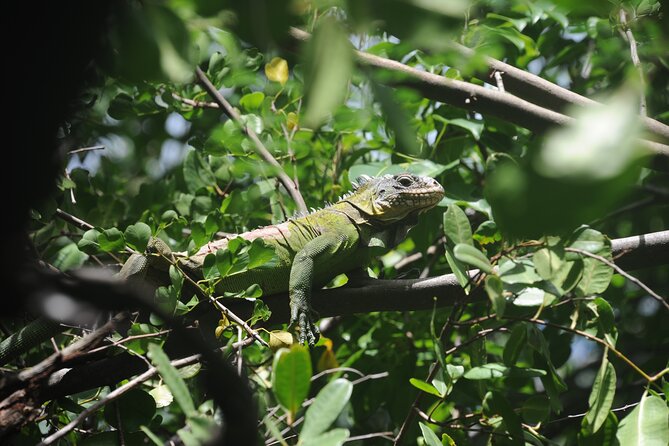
[(260, 148), (602, 342), (85, 226), (128, 339), (384, 435), (116, 393), (72, 197), (629, 36), (229, 314), (581, 415), (623, 273), (498, 80), (194, 103), (85, 149)]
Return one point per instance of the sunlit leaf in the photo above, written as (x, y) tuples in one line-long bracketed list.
[(276, 70)]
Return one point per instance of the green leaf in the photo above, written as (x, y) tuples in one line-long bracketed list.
[(130, 410), (425, 387), (111, 240), (496, 403), (162, 395), (646, 425), (326, 408), (532, 297), (473, 127), (597, 145), (547, 263), (605, 436), (291, 377), (224, 139), (201, 426), (604, 313), (262, 255), (430, 437), (456, 226), (518, 271), (153, 437), (601, 396), (334, 437), (495, 290), (69, 257), (496, 370), (329, 63), (137, 236), (487, 371), (88, 242), (536, 409), (197, 173), (252, 101), (515, 344), (458, 268), (472, 256), (224, 261), (172, 379), (397, 120)]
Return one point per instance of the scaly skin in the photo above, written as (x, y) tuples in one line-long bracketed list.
[(315, 248), (312, 249)]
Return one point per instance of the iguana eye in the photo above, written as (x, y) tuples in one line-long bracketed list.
[(405, 181)]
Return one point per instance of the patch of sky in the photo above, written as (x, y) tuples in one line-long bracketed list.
[(172, 153), (535, 66), (176, 126), (648, 306)]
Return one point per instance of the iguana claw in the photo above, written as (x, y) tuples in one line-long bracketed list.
[(301, 323)]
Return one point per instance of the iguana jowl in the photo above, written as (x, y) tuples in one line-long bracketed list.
[(315, 248)]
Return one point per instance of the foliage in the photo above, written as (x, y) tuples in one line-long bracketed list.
[(559, 333)]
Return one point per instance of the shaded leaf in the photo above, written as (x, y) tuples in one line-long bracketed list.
[(291, 377), (469, 254), (326, 408), (172, 379), (646, 425)]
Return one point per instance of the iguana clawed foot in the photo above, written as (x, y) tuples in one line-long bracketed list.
[(301, 323)]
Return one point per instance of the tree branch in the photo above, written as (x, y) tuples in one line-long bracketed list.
[(115, 394), (488, 101), (623, 273), (373, 295), (260, 148)]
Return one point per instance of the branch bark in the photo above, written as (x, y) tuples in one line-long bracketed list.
[(260, 148), (374, 295), (505, 106)]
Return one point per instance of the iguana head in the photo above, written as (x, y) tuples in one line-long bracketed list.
[(390, 198)]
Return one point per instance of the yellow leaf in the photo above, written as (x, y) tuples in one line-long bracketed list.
[(219, 331), (277, 70), (280, 339), (327, 360), (291, 121)]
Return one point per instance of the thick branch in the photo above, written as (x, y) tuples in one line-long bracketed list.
[(260, 148), (375, 295), (488, 101)]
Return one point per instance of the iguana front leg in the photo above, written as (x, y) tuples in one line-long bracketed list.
[(313, 257)]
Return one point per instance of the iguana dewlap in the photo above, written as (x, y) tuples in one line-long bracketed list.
[(314, 248)]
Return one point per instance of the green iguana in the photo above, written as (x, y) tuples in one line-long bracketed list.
[(314, 248)]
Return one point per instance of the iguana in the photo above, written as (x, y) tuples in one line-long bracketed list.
[(312, 249)]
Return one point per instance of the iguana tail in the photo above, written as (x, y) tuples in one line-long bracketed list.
[(38, 331), (42, 329)]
